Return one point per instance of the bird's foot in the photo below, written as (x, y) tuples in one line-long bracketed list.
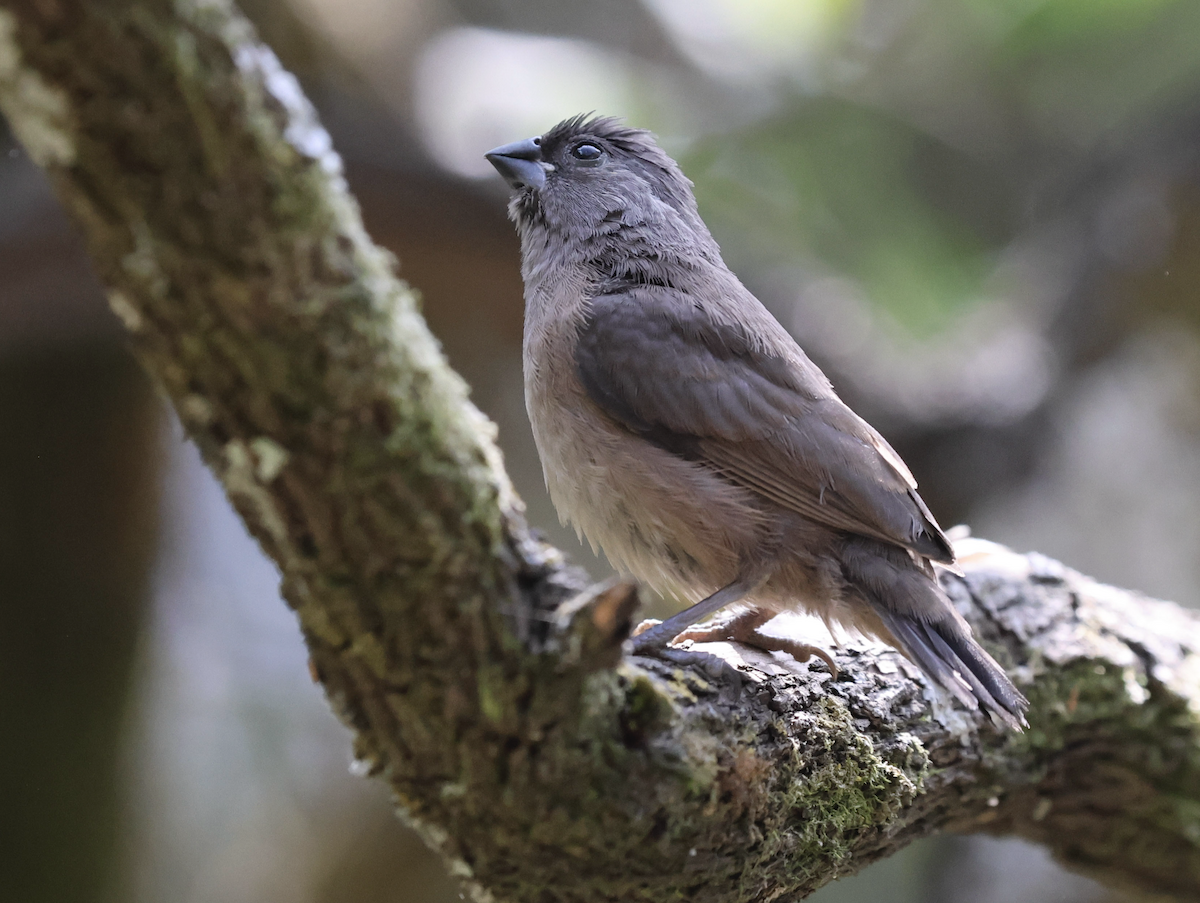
[(744, 629), (712, 666)]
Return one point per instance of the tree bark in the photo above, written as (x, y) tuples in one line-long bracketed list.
[(484, 684)]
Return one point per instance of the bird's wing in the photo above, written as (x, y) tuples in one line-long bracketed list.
[(759, 412)]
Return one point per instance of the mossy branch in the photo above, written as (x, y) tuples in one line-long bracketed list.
[(483, 683)]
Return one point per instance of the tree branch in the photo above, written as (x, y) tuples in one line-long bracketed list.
[(482, 685)]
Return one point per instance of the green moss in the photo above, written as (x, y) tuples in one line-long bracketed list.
[(827, 800), (1083, 692), (645, 710)]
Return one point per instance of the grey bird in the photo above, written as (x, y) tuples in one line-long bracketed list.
[(685, 433)]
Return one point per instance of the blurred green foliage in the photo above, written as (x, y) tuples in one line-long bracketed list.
[(883, 176), (857, 190)]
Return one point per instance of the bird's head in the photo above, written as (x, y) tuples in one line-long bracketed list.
[(591, 176)]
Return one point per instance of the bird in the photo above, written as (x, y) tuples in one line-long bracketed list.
[(684, 432)]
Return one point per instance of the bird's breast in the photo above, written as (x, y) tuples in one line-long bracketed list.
[(671, 523)]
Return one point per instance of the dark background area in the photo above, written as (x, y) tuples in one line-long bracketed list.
[(981, 218)]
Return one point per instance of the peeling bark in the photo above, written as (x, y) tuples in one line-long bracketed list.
[(483, 682)]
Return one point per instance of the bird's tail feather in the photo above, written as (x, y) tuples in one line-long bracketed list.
[(950, 656), (922, 621)]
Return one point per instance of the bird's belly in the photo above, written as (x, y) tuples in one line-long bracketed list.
[(670, 523)]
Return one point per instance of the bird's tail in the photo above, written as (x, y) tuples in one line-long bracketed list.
[(922, 621), (946, 651)]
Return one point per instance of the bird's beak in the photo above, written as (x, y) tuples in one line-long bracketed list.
[(520, 163)]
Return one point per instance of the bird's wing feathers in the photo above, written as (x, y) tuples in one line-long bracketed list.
[(760, 413)]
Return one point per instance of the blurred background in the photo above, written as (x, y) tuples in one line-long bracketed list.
[(981, 217)]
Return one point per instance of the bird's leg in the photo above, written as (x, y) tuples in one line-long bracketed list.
[(742, 627), (653, 642), (658, 636)]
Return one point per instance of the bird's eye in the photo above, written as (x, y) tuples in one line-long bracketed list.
[(589, 153)]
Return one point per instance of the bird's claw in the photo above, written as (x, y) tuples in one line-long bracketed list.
[(711, 666)]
